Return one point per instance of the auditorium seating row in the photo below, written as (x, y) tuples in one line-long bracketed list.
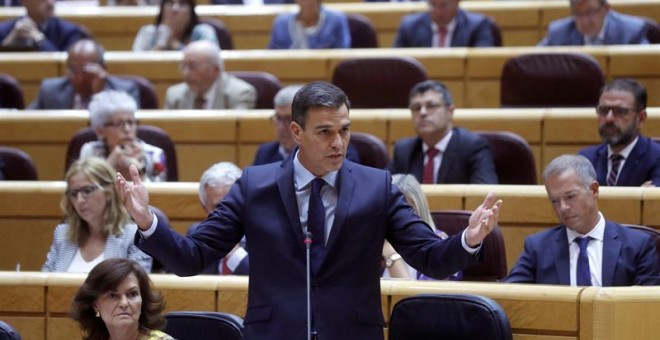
[(205, 137), (30, 211), (37, 304), (472, 74), (523, 23)]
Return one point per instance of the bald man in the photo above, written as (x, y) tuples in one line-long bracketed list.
[(86, 75)]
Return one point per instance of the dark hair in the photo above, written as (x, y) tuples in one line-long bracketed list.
[(105, 277), (631, 86), (432, 85), (194, 19), (316, 94)]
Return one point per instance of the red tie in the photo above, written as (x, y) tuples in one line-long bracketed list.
[(442, 35), (225, 267), (428, 167)]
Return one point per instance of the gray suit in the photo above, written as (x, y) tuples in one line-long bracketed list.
[(621, 29), (232, 93), (62, 251), (57, 93)]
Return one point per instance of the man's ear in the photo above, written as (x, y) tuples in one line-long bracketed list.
[(296, 130)]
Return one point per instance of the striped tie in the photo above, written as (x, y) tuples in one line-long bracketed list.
[(614, 171)]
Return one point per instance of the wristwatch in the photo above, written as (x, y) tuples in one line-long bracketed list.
[(389, 261)]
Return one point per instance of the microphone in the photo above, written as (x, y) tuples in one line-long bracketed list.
[(308, 245)]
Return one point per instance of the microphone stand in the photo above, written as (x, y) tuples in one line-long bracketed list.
[(308, 244)]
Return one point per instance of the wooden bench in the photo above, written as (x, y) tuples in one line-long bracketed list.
[(205, 137), (37, 304), (472, 74)]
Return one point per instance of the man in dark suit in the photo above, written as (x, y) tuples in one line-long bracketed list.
[(282, 148), (625, 158), (40, 29), (86, 76), (594, 23), (441, 153), (445, 25), (585, 249), (351, 209)]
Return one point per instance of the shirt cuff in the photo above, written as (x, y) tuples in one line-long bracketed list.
[(235, 258), (468, 248), (152, 228)]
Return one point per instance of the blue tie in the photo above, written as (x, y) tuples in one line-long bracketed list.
[(583, 276), (316, 224)]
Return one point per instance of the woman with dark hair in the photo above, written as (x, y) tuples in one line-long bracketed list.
[(176, 25), (117, 301)]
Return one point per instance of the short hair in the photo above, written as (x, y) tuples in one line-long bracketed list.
[(107, 276), (578, 163), (435, 86), (223, 173), (209, 49), (285, 95), (412, 190), (574, 2), (98, 48), (316, 94), (106, 103), (100, 173), (631, 86)]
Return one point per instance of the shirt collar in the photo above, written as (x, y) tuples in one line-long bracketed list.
[(442, 144), (625, 152), (597, 233), (303, 177), (600, 37), (450, 26)]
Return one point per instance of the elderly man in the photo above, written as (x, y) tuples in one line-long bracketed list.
[(594, 23), (445, 25), (40, 29), (586, 249), (206, 85), (625, 158), (441, 153), (86, 76), (282, 148)]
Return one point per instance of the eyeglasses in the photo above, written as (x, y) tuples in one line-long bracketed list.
[(121, 123), (193, 67), (85, 191), (430, 107), (280, 119), (604, 110)]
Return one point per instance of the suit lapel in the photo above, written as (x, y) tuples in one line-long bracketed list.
[(289, 200), (345, 187), (417, 160), (611, 249), (459, 37), (632, 162), (448, 157), (188, 100), (601, 164), (560, 252), (220, 100)]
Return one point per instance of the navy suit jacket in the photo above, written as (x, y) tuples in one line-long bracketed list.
[(60, 34), (240, 2), (642, 164), (629, 258), (270, 152), (243, 267), (621, 29), (58, 94), (467, 160), (472, 30), (346, 297)]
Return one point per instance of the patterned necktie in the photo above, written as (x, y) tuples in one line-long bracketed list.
[(316, 223), (614, 171), (200, 103), (583, 273), (429, 166), (442, 35)]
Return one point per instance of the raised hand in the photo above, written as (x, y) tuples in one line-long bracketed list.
[(135, 198), (483, 220)]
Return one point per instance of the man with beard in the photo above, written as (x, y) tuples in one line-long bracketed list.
[(626, 158)]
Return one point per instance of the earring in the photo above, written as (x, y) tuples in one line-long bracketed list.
[(97, 313)]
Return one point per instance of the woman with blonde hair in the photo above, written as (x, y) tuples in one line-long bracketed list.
[(96, 224)]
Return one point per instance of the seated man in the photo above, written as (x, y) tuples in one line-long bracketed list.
[(282, 148), (625, 158), (444, 25), (40, 29), (585, 249), (86, 76), (441, 153), (206, 85), (594, 23), (213, 186)]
